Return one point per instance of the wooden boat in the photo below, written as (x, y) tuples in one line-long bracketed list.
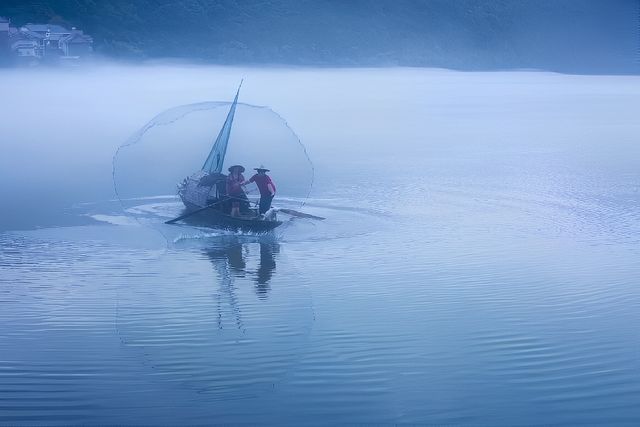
[(204, 197), (216, 219)]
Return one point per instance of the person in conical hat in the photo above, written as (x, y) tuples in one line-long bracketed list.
[(240, 168), (235, 192), (266, 186)]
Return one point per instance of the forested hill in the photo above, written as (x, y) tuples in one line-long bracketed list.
[(563, 35)]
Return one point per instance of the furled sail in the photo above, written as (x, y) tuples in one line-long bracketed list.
[(214, 161)]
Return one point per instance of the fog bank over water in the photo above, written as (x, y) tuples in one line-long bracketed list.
[(61, 127)]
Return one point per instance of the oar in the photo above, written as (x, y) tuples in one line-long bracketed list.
[(299, 214), (188, 214)]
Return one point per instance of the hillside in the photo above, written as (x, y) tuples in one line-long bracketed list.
[(563, 35)]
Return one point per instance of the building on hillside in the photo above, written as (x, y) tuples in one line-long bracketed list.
[(77, 44), (33, 43), (4, 30), (26, 48), (4, 40)]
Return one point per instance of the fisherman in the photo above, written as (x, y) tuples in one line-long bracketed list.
[(235, 192), (266, 186)]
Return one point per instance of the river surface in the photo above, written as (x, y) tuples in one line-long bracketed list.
[(478, 264)]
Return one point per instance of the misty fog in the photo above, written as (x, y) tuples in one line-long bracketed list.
[(61, 127)]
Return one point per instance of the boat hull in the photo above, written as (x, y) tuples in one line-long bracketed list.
[(216, 219)]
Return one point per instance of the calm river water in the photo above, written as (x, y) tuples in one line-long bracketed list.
[(478, 264)]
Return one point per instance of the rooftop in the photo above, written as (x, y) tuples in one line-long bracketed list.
[(43, 28), (79, 38)]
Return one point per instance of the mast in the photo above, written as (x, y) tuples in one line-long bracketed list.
[(215, 159)]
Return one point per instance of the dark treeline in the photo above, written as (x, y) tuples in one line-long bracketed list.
[(563, 35)]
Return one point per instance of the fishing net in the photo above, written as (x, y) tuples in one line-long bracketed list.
[(181, 141)]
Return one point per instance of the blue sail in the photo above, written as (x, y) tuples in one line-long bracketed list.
[(215, 159)]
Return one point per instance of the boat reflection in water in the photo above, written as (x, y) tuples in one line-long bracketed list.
[(266, 268), (238, 262)]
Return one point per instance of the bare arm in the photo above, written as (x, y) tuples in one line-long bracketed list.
[(249, 181)]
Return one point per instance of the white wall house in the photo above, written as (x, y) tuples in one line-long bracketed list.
[(26, 48), (4, 36), (39, 41)]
